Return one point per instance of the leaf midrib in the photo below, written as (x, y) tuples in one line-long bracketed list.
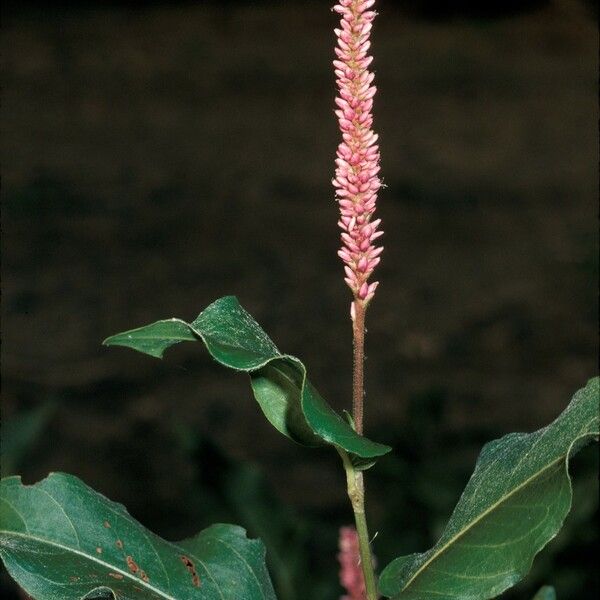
[(484, 514), (90, 557), (129, 575)]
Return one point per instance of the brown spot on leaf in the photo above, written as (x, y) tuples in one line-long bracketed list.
[(73, 578), (107, 524), (132, 565), (115, 575), (144, 577), (119, 544), (99, 550), (187, 562), (189, 565)]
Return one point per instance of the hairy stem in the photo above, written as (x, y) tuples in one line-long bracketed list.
[(356, 493), (358, 327)]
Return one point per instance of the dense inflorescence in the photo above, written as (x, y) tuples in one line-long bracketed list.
[(357, 164)]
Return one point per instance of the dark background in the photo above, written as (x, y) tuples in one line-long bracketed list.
[(158, 155)]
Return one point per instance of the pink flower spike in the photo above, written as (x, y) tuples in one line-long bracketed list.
[(356, 180)]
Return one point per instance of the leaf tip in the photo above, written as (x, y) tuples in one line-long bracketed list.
[(113, 340)]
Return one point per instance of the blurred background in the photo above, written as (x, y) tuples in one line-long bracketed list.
[(159, 155)]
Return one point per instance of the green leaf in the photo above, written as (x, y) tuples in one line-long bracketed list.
[(545, 593), (61, 540), (514, 504), (287, 398)]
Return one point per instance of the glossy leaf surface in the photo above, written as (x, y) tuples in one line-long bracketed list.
[(287, 398), (513, 505), (61, 540)]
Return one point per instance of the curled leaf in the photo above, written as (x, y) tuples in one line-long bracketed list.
[(279, 382)]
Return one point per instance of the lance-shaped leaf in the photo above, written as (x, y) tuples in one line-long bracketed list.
[(513, 505), (61, 540), (287, 398)]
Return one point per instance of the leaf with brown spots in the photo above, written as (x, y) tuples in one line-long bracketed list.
[(61, 540)]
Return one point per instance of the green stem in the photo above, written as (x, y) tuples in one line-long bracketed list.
[(366, 558), (356, 493)]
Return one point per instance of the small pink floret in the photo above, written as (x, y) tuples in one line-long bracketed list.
[(356, 178)]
